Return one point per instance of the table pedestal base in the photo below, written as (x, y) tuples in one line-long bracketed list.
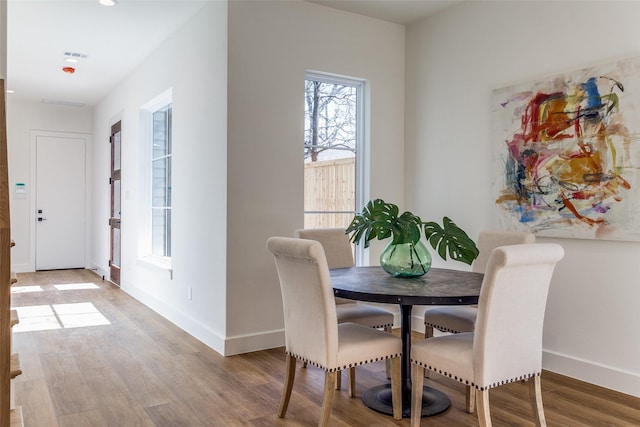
[(378, 398)]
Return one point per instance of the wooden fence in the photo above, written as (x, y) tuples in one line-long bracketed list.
[(329, 193)]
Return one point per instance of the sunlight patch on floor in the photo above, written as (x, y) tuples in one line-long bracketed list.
[(76, 286), (25, 289), (58, 316)]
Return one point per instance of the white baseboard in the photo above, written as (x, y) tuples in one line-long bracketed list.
[(100, 272), (22, 268), (198, 330), (253, 342), (593, 373)]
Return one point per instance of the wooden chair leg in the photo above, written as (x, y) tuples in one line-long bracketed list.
[(387, 363), (428, 333), (535, 395), (338, 380), (351, 378), (289, 376), (327, 402), (396, 387), (482, 407), (417, 382), (470, 403)]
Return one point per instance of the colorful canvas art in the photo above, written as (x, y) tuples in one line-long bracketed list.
[(568, 154)]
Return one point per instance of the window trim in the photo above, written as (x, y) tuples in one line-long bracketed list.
[(362, 178), (146, 135)]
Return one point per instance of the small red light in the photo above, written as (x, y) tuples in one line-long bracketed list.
[(69, 70)]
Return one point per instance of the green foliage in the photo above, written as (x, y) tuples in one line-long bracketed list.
[(380, 220)]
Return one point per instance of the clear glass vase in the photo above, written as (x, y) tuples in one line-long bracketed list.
[(406, 259)]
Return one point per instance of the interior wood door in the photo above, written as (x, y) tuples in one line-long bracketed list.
[(115, 216), (60, 202)]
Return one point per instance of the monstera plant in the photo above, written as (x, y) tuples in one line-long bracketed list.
[(406, 255)]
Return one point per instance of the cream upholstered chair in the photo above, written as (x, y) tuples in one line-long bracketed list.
[(457, 319), (312, 332), (506, 345), (339, 253)]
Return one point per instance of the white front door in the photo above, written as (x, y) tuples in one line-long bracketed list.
[(60, 202)]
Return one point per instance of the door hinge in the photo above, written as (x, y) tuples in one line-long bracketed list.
[(109, 263)]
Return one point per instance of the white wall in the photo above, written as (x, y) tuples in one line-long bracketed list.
[(271, 45), (193, 62), (3, 40), (454, 61), (22, 119)]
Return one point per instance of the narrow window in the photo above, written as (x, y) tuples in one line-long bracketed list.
[(333, 150), (161, 154)]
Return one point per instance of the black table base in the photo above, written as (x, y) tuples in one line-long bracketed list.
[(378, 398)]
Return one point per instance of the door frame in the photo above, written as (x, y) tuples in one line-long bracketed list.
[(114, 222), (34, 134)]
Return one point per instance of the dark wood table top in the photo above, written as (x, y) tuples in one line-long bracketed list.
[(440, 286)]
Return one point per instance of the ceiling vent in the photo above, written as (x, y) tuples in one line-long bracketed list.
[(76, 55)]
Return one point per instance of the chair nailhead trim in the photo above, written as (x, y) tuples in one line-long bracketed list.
[(386, 325), (471, 383), (351, 365), (442, 328)]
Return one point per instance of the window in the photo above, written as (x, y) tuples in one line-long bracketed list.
[(161, 182), (333, 151)]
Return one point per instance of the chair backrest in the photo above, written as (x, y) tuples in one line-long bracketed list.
[(337, 248), (310, 320), (508, 332), (336, 244), (488, 240)]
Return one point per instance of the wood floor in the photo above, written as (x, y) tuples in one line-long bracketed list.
[(93, 356)]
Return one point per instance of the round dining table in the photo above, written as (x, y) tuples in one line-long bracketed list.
[(439, 286)]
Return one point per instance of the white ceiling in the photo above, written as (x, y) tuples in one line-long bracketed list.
[(403, 12), (116, 39)]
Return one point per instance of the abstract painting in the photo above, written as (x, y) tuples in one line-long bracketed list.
[(567, 153)]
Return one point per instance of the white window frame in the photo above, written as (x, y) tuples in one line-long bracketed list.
[(146, 134), (362, 143)]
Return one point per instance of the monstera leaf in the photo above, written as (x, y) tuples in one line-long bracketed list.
[(451, 239), (381, 220)]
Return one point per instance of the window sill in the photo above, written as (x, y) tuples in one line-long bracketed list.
[(156, 263)]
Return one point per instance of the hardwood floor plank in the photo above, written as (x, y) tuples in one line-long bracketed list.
[(70, 394), (35, 394), (139, 369), (82, 419), (115, 402), (173, 414)]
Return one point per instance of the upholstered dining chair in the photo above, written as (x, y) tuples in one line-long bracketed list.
[(506, 344), (339, 253), (312, 332), (457, 319)]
